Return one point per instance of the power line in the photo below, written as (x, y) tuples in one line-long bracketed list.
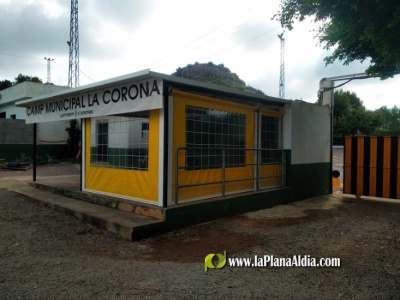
[(20, 56), (80, 70), (242, 43), (26, 57), (200, 38)]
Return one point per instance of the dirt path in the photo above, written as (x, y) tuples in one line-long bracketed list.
[(45, 254)]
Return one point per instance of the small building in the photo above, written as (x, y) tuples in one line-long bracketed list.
[(164, 141), (16, 137), (23, 91)]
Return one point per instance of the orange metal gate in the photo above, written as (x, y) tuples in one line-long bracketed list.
[(372, 166)]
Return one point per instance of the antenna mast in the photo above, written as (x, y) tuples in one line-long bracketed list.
[(73, 43), (282, 69)]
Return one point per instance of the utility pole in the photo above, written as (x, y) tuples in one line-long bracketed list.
[(282, 68), (326, 97), (73, 43), (49, 60)]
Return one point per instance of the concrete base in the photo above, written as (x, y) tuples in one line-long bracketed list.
[(133, 220), (71, 191), (127, 225)]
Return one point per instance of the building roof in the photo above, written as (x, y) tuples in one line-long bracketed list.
[(27, 90), (185, 84)]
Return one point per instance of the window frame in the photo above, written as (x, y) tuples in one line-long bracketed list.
[(127, 147), (235, 154), (272, 157)]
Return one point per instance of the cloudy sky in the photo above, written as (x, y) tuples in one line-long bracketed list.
[(125, 36)]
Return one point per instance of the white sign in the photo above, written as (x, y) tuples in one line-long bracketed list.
[(137, 96)]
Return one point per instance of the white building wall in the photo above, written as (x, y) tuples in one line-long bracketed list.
[(22, 91), (52, 132), (136, 136), (122, 132), (287, 128), (48, 133), (11, 110), (311, 133)]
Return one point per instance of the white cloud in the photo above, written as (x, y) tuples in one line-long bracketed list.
[(119, 37)]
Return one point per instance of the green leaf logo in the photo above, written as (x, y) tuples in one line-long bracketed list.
[(208, 261)]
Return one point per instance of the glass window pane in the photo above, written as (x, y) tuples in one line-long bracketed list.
[(214, 130), (270, 140), (120, 141)]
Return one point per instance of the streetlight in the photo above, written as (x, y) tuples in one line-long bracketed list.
[(48, 68)]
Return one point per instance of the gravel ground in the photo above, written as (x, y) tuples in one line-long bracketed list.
[(45, 254)]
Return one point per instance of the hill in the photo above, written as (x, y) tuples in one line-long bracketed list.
[(215, 74)]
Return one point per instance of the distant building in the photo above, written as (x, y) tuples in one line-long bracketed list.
[(23, 91), (48, 133)]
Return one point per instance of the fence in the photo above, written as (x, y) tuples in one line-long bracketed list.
[(372, 166), (235, 171)]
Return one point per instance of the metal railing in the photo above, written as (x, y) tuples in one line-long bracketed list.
[(223, 160)]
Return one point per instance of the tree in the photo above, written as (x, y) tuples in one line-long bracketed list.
[(350, 116), (21, 78), (5, 84), (74, 137), (390, 121), (356, 30)]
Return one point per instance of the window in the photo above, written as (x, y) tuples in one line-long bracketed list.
[(120, 141), (270, 129), (145, 130), (209, 131), (102, 141)]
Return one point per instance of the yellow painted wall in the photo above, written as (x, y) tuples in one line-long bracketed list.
[(187, 177), (274, 172), (138, 184)]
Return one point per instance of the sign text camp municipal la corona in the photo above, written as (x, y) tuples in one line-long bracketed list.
[(137, 96)]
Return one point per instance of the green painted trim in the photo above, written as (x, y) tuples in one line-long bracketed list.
[(11, 152), (230, 206), (123, 157), (309, 180), (196, 213), (303, 181)]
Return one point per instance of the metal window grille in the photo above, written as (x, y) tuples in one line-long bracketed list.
[(120, 142), (212, 129), (270, 128)]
